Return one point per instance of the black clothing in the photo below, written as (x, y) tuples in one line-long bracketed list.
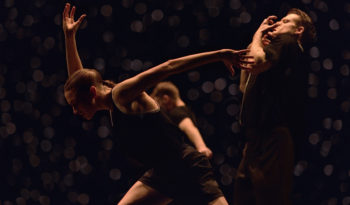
[(175, 169), (271, 116), (179, 113)]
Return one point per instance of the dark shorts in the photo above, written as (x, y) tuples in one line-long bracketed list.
[(193, 181)]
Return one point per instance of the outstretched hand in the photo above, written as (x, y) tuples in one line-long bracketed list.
[(237, 59), (69, 25), (265, 31)]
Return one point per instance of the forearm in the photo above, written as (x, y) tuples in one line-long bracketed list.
[(192, 133), (72, 56), (243, 80)]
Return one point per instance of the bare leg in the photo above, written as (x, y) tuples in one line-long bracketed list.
[(219, 201), (140, 193)]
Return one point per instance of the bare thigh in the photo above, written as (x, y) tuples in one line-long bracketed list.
[(140, 193)]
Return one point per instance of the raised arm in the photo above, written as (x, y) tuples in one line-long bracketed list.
[(261, 64), (70, 28), (128, 90), (193, 134)]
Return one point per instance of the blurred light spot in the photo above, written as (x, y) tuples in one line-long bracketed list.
[(46, 145), (207, 87), (346, 200), (326, 148), (57, 20), (35, 62), (344, 187), (344, 70), (220, 84), (235, 4), (72, 197), (313, 79), (216, 96), (49, 43), (328, 64), (192, 94), (44, 200), (314, 138), (99, 64), (9, 3), (233, 89), (204, 34), (337, 125), (49, 132), (300, 168), (28, 20), (46, 119), (345, 106), (314, 52), (183, 41), (28, 137), (136, 65), (174, 21), (83, 199), (157, 15), (38, 75), (107, 144), (332, 93), (103, 131), (5, 106), (35, 194), (328, 170), (194, 76), (245, 17), (334, 25), (87, 125), (74, 165), (86, 169), (232, 109), (225, 169), (232, 151), (214, 12), (306, 1), (12, 13), (82, 161), (235, 128), (2, 93), (5, 118), (327, 123), (321, 5), (10, 128), (136, 26), (68, 180), (17, 165), (39, 3), (115, 174), (20, 201), (127, 3), (313, 92), (46, 178), (332, 201), (208, 108), (11, 26), (69, 153), (140, 8), (34, 160), (218, 158), (106, 10), (108, 37)]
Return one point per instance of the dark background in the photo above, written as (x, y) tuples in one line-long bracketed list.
[(49, 156)]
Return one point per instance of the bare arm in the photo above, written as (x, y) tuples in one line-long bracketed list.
[(70, 28), (260, 64), (193, 134), (127, 91)]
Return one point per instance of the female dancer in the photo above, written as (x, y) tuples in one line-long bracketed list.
[(142, 132)]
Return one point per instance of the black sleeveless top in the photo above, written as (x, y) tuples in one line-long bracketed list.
[(149, 138)]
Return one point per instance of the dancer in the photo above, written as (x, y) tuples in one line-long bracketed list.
[(168, 97), (272, 109), (142, 132)]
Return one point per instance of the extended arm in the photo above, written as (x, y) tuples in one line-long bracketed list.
[(193, 134), (129, 89), (70, 28)]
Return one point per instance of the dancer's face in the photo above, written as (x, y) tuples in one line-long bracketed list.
[(288, 24), (85, 108)]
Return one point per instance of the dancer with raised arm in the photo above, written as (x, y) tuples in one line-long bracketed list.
[(177, 171)]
